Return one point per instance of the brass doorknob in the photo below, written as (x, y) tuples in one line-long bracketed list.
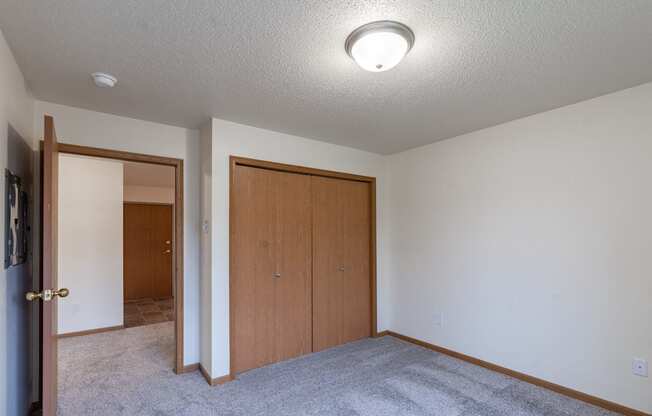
[(47, 294), (30, 296), (62, 293)]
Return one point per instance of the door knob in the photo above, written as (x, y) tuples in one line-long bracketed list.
[(47, 295), (167, 251), (276, 275), (341, 268)]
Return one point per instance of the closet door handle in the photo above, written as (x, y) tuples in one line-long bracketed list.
[(276, 275), (341, 268)]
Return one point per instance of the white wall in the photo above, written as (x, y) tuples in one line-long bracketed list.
[(533, 239), (90, 243), (150, 194), (16, 110), (239, 140), (90, 128), (206, 349)]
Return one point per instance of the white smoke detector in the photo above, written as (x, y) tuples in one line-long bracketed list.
[(104, 80)]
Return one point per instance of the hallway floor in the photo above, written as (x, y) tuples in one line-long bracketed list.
[(129, 372), (148, 311)]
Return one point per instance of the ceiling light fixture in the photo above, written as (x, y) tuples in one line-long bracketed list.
[(104, 80), (379, 46)]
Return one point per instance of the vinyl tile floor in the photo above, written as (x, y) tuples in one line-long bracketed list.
[(148, 311)]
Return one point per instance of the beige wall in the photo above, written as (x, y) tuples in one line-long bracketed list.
[(16, 110), (532, 239), (90, 243), (206, 176), (151, 194)]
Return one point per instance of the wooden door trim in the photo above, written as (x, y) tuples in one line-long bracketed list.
[(282, 167), (91, 331), (154, 204), (118, 154), (177, 229)]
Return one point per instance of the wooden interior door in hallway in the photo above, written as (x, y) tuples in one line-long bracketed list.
[(147, 251)]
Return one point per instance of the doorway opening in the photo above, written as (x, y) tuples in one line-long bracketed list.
[(49, 294), (139, 201)]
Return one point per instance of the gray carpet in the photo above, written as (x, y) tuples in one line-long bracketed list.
[(129, 372)]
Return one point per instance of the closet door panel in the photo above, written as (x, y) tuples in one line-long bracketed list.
[(355, 230), (327, 280), (294, 265), (300, 264), (254, 262), (341, 262)]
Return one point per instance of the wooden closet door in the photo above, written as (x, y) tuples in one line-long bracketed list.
[(271, 268), (294, 265), (355, 215), (326, 279), (341, 261), (254, 262)]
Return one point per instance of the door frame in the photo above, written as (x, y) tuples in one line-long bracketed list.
[(282, 167), (177, 229)]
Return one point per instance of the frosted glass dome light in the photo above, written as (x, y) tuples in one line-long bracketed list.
[(379, 46)]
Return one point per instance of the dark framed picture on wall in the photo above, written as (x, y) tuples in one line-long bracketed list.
[(16, 212)]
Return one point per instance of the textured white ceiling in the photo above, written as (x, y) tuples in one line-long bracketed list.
[(147, 174), (281, 65)]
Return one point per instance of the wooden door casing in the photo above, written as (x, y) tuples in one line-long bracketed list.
[(271, 293), (147, 264)]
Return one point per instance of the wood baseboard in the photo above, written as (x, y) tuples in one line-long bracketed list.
[(214, 381), (91, 331), (188, 368), (35, 409), (574, 394)]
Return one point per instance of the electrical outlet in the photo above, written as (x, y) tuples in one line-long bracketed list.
[(639, 367), (438, 319)]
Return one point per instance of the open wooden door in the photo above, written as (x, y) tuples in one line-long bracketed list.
[(50, 281), (49, 290)]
